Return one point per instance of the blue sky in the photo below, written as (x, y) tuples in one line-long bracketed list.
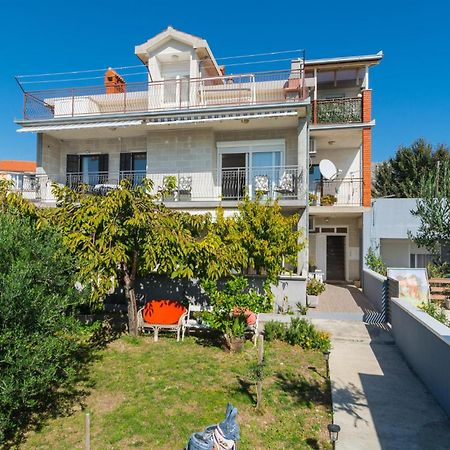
[(411, 86)]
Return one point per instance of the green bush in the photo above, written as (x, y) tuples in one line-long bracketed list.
[(274, 331), (315, 287), (435, 311), (303, 333), (438, 270), (42, 346), (230, 304), (375, 263), (300, 332)]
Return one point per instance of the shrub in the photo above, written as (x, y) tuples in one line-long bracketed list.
[(315, 287), (274, 331), (42, 345), (375, 263), (303, 333), (300, 332), (436, 312), (231, 304), (438, 270)]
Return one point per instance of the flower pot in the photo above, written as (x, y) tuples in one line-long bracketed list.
[(312, 300)]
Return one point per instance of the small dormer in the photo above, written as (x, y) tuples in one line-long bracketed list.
[(173, 54)]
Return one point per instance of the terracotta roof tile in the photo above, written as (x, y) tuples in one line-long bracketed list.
[(17, 166)]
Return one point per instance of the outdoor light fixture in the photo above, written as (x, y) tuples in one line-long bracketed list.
[(326, 354), (333, 430)]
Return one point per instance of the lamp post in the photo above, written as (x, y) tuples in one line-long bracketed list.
[(333, 430), (326, 354)]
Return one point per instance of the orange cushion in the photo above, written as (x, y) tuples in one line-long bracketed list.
[(163, 312)]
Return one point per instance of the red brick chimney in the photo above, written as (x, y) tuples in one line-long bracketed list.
[(114, 83)]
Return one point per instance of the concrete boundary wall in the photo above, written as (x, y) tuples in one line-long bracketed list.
[(290, 290), (375, 288), (425, 344)]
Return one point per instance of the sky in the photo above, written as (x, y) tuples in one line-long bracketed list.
[(411, 86)]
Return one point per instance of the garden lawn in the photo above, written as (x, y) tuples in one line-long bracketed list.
[(153, 395)]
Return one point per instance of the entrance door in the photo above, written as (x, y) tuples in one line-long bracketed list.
[(336, 258)]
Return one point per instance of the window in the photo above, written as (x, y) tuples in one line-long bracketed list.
[(133, 166), (87, 169), (417, 260), (314, 179), (248, 166)]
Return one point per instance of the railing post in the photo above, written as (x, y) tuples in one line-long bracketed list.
[(314, 105), (73, 102), (125, 100)]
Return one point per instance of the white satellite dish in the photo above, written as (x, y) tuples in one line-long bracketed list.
[(328, 169)]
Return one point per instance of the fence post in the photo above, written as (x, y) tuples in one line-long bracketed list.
[(87, 431)]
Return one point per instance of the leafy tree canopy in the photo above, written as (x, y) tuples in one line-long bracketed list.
[(401, 176), (433, 209), (42, 349)]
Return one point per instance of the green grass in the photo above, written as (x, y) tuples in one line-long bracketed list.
[(154, 395)]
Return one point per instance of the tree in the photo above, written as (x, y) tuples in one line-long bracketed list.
[(268, 237), (433, 208), (401, 175), (42, 349), (121, 235)]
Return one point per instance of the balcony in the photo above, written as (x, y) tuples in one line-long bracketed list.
[(230, 184), (337, 111), (339, 192), (177, 94)]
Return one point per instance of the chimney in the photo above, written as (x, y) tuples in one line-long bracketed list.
[(114, 83)]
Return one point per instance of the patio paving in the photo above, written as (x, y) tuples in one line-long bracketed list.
[(377, 400), (344, 302)]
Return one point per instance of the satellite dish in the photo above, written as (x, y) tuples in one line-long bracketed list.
[(328, 169)]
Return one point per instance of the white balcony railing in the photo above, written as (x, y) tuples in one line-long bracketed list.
[(340, 192), (176, 94), (281, 182)]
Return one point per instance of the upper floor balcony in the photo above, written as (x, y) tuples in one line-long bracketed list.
[(180, 93), (337, 110), (183, 189)]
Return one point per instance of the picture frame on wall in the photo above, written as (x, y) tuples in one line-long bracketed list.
[(413, 285)]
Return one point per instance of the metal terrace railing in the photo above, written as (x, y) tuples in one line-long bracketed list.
[(340, 192), (175, 94), (337, 110), (281, 182)]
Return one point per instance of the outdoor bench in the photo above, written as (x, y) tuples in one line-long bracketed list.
[(162, 314)]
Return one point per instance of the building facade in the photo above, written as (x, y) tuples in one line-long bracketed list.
[(213, 138)]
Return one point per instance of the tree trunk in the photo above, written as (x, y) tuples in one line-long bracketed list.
[(130, 295)]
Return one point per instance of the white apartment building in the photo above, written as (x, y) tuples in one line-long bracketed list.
[(217, 137)]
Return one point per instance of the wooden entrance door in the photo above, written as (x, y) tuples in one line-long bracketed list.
[(336, 258)]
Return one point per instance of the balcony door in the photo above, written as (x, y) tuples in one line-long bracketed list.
[(133, 166), (248, 167), (86, 169), (176, 84)]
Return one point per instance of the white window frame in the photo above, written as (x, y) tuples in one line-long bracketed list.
[(249, 147)]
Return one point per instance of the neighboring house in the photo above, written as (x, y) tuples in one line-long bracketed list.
[(386, 228), (22, 174), (218, 137)]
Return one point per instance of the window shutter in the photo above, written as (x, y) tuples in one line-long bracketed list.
[(72, 164), (103, 163), (125, 162)]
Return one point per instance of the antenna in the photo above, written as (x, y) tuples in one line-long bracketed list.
[(328, 169)]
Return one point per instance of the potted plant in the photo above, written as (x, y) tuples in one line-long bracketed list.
[(313, 199), (234, 309), (328, 200), (169, 187), (313, 289)]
